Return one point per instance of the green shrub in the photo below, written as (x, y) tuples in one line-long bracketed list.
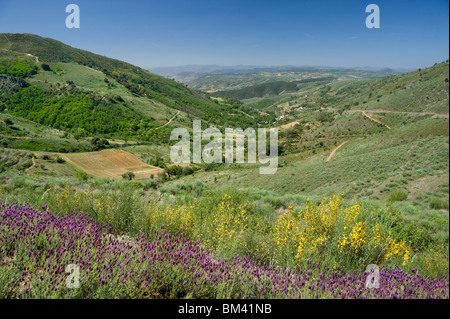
[(436, 203), (158, 161), (398, 196), (128, 176), (136, 184), (59, 159), (187, 170), (45, 67), (19, 69), (275, 201), (150, 184), (82, 175)]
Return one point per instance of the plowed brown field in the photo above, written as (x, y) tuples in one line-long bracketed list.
[(111, 164)]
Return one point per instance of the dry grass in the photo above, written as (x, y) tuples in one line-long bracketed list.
[(289, 125)]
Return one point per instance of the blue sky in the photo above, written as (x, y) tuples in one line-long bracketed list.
[(152, 33)]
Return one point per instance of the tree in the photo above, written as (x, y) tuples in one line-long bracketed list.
[(174, 170), (128, 176), (45, 67), (99, 143), (187, 170), (325, 117)]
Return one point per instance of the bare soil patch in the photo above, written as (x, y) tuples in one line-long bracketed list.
[(112, 164)]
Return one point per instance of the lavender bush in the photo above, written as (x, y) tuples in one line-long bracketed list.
[(36, 246)]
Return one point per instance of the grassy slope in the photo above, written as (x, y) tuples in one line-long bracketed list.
[(358, 173), (93, 80), (375, 161), (419, 91)]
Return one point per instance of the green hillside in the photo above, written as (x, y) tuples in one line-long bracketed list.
[(423, 90), (271, 88), (402, 146), (78, 91)]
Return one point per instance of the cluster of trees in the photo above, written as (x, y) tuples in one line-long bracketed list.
[(128, 176), (18, 68), (176, 171), (260, 90), (169, 172), (99, 144), (325, 117), (73, 111), (158, 161)]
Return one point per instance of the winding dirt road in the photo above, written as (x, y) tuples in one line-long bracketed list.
[(33, 161), (369, 116), (37, 59), (169, 121), (399, 112), (334, 151)]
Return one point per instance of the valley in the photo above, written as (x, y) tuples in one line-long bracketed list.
[(360, 153)]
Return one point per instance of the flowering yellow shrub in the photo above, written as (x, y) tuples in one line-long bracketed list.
[(329, 231), (225, 227), (67, 200), (174, 217), (288, 233), (357, 236), (319, 231), (398, 249), (305, 233)]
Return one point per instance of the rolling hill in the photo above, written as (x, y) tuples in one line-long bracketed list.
[(74, 90), (366, 137), (271, 88)]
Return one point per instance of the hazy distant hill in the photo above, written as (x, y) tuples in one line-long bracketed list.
[(185, 70), (212, 78)]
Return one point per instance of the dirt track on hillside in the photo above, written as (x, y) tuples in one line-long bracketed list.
[(370, 116), (32, 161), (334, 151), (169, 121)]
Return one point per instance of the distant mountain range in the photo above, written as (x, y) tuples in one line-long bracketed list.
[(184, 70)]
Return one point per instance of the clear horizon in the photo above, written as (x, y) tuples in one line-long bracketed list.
[(156, 34), (282, 66)]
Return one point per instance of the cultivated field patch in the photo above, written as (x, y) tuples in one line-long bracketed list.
[(112, 164)]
